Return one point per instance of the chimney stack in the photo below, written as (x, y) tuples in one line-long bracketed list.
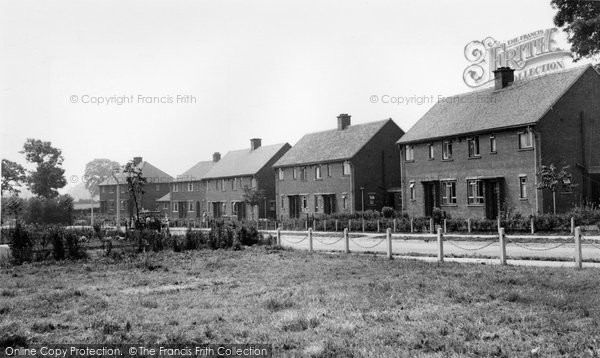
[(255, 143), (343, 121), (216, 156), (137, 160), (503, 77)]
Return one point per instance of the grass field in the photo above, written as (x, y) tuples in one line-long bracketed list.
[(315, 305)]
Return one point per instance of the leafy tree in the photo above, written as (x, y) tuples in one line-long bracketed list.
[(135, 185), (96, 172), (13, 175), (49, 174), (253, 197), (581, 22), (553, 180)]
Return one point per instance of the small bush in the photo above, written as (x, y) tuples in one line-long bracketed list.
[(387, 212), (21, 243)]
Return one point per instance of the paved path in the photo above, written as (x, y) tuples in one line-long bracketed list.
[(404, 247)]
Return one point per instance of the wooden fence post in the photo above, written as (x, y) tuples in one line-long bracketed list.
[(578, 263), (498, 223), (306, 224), (388, 234), (279, 236), (532, 225), (310, 239), (363, 225), (336, 224), (314, 227), (349, 224), (440, 240), (572, 225), (412, 226), (469, 225), (325, 225), (502, 246), (431, 226), (377, 225), (445, 227), (395, 225), (347, 240)]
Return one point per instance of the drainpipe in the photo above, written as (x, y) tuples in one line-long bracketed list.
[(351, 187), (535, 165)]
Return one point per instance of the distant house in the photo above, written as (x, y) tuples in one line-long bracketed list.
[(188, 191), (156, 187), (241, 172), (163, 204), (477, 154), (347, 169)]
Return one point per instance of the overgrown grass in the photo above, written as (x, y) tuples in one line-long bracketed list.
[(315, 305)]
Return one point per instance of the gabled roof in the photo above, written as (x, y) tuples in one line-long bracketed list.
[(196, 172), (522, 103), (244, 162), (331, 145), (149, 171)]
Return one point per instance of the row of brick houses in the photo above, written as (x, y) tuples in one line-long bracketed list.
[(471, 155)]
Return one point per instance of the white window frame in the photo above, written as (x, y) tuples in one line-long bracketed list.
[(409, 153), (280, 173), (191, 206), (253, 182), (449, 192), (175, 207), (522, 187), (529, 133), (295, 173), (447, 150), (474, 189), (346, 170), (431, 151), (473, 147), (175, 188), (318, 173), (190, 186), (493, 144)]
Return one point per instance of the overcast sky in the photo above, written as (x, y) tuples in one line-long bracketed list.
[(268, 69)]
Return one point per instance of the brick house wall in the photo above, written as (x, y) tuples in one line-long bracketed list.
[(265, 181), (336, 183), (570, 135), (153, 191), (190, 203), (374, 167), (509, 162)]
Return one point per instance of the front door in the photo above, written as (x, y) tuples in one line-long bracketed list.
[(329, 204), (431, 192), (240, 210), (182, 209), (216, 209), (492, 199), (294, 204)]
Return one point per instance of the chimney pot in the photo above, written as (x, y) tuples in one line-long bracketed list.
[(343, 121), (503, 77), (137, 160), (216, 156), (255, 143)]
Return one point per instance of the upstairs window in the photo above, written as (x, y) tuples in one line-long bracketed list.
[(526, 139), (474, 192), (318, 174), (431, 150), (295, 173), (447, 150), (190, 186), (346, 168), (303, 173), (175, 188), (280, 173), (492, 144), (473, 145), (328, 170), (253, 182), (233, 183), (222, 184), (409, 153)]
